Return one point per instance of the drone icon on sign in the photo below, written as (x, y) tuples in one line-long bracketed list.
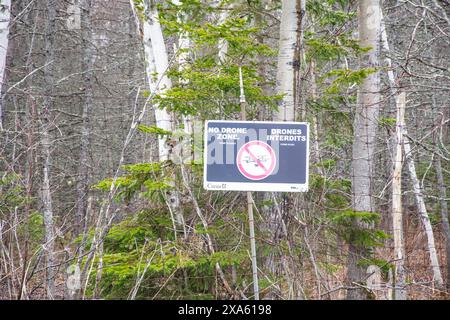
[(262, 159), (256, 160)]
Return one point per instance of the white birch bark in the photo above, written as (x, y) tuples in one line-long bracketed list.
[(285, 85), (365, 132), (397, 214), (223, 44), (157, 63), (5, 17), (286, 55), (387, 49), (421, 207), (285, 82), (184, 44), (437, 276)]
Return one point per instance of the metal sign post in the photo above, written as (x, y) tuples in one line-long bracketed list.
[(251, 220)]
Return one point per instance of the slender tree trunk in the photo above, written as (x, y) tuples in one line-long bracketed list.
[(50, 30), (315, 124), (48, 213), (285, 84), (397, 215), (264, 112), (437, 276), (30, 171), (32, 155), (365, 132), (223, 44), (87, 67), (158, 63), (299, 85), (184, 45), (286, 59), (443, 195), (5, 16), (288, 84)]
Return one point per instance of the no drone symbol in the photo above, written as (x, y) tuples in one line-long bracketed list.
[(256, 160)]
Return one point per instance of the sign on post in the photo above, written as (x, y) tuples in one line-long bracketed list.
[(256, 156)]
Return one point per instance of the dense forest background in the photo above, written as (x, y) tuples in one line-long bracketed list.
[(101, 99)]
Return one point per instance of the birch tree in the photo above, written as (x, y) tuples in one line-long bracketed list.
[(286, 58), (397, 214), (437, 276), (290, 38), (182, 50), (286, 110), (50, 29), (223, 44), (157, 65), (365, 132), (421, 207), (5, 16)]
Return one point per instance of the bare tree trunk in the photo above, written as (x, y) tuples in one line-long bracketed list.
[(288, 84), (184, 43), (32, 155), (286, 59), (365, 131), (443, 203), (397, 215), (5, 16), (315, 124), (158, 63), (412, 172), (285, 84), (87, 67), (48, 211), (437, 276), (299, 85), (98, 277), (50, 29)]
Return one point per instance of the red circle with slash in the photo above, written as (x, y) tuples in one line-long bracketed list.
[(256, 160)]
